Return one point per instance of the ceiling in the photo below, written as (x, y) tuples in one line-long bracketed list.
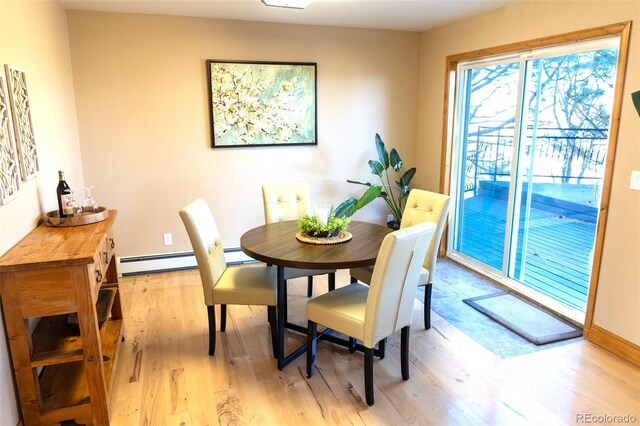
[(406, 15)]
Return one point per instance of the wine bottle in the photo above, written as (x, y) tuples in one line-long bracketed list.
[(65, 199)]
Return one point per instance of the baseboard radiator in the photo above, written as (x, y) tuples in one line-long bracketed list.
[(167, 262)]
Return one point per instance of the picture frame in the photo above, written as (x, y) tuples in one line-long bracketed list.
[(22, 123), (10, 179), (258, 103)]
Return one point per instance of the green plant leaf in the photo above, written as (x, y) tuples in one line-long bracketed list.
[(346, 208), (369, 195), (376, 168), (405, 178), (383, 155), (635, 96), (394, 196), (396, 161), (404, 189)]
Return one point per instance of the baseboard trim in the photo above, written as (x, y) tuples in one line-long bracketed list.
[(625, 349), (169, 262)]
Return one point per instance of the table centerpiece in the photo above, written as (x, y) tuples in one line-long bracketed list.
[(324, 227)]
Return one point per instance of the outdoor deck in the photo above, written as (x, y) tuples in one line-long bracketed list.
[(558, 255)]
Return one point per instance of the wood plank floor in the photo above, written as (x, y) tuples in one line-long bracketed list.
[(165, 377), (558, 254)]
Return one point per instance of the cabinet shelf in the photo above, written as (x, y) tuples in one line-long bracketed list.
[(56, 342), (65, 385)]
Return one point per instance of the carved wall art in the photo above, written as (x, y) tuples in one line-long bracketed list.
[(22, 124), (9, 169)]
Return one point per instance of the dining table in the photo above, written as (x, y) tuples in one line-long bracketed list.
[(276, 244)]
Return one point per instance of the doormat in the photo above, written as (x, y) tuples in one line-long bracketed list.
[(530, 321)]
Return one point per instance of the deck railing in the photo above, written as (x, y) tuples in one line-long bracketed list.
[(561, 155)]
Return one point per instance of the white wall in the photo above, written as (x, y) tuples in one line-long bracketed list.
[(33, 37), (141, 89)]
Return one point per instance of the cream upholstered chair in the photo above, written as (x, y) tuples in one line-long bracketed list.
[(222, 285), (371, 313), (422, 206), (290, 201)]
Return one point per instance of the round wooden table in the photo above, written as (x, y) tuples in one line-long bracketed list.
[(276, 244)]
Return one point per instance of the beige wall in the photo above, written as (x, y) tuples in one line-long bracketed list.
[(33, 36), (141, 89), (142, 111), (618, 299)]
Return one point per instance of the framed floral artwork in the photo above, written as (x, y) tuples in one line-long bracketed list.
[(9, 169), (262, 103), (22, 124)]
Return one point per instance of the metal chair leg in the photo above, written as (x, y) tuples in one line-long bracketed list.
[(382, 345), (352, 345), (312, 329), (271, 314), (332, 281), (309, 286)]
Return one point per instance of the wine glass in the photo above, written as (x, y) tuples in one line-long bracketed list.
[(90, 204)]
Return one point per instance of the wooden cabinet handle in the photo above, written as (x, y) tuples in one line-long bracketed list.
[(98, 275), (106, 257), (113, 243)]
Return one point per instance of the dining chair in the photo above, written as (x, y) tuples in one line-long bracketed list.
[(422, 206), (248, 285), (291, 201), (371, 313)]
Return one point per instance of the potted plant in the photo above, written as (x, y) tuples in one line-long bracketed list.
[(313, 227), (393, 192)]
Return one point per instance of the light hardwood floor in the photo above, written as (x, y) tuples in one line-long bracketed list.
[(165, 376)]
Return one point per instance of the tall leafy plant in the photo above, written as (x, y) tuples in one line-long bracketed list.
[(635, 96), (393, 189)]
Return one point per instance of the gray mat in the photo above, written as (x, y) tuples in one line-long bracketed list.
[(524, 318)]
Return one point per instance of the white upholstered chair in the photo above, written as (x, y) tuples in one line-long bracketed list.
[(422, 206), (290, 201), (222, 285), (370, 313)]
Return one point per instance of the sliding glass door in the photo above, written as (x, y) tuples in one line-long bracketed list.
[(488, 114), (530, 147)]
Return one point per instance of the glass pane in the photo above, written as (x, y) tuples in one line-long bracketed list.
[(563, 148), (487, 133)]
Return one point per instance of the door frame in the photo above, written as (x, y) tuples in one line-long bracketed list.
[(621, 30)]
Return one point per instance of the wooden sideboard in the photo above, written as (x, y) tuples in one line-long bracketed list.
[(63, 369)]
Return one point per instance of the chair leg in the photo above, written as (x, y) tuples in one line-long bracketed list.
[(223, 317), (352, 345), (312, 329), (368, 375), (382, 345), (211, 313), (332, 281), (427, 306), (404, 352), (309, 286), (271, 314)]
